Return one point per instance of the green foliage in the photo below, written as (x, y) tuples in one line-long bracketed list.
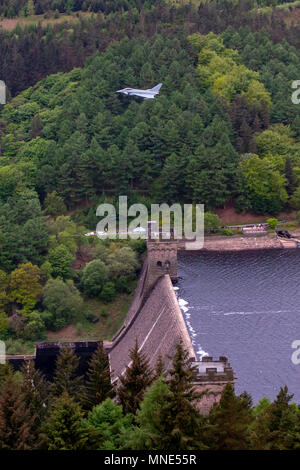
[(212, 222), (95, 275), (266, 185), (25, 287), (4, 325), (35, 394), (154, 430), (272, 223), (109, 424), (220, 69), (98, 386), (15, 418), (66, 380), (134, 382), (229, 421), (62, 301), (277, 425), (54, 204), (227, 232), (122, 262), (60, 259), (168, 418), (108, 292), (63, 429), (295, 199), (34, 329)]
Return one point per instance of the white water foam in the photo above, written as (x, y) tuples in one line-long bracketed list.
[(183, 304)]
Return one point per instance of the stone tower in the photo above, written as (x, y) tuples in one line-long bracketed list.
[(161, 260)]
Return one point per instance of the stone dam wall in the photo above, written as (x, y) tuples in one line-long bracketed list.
[(157, 325)]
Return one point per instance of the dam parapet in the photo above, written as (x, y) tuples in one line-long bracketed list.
[(45, 356), (210, 378)]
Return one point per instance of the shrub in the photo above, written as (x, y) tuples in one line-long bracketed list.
[(108, 292), (95, 274), (63, 301), (227, 231), (91, 317), (122, 285), (34, 329), (212, 222), (4, 325), (272, 222)]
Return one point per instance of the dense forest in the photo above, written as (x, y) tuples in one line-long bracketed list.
[(31, 53), (151, 410), (222, 131), (12, 8)]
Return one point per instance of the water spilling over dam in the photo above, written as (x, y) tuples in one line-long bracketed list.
[(245, 305)]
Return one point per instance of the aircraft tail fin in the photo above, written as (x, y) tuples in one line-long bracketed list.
[(157, 87)]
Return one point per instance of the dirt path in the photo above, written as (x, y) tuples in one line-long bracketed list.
[(69, 333)]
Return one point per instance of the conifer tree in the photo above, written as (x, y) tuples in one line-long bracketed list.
[(159, 367), (133, 384), (16, 421), (277, 427), (65, 377), (229, 421), (63, 429), (107, 423), (98, 386), (187, 423), (5, 371), (35, 393), (154, 430)]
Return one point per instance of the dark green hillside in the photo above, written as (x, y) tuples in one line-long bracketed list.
[(90, 140), (74, 134)]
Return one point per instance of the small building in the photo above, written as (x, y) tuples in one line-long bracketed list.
[(211, 376)]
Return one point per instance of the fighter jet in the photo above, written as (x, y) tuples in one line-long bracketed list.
[(146, 94)]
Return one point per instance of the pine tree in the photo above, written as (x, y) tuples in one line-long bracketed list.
[(5, 371), (63, 429), (229, 421), (35, 393), (159, 367), (133, 384), (65, 377), (277, 425), (159, 426), (187, 423), (108, 423), (16, 421), (98, 386)]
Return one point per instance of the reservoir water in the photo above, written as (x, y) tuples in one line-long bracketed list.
[(246, 306)]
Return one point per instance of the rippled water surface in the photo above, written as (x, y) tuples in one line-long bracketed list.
[(246, 306)]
